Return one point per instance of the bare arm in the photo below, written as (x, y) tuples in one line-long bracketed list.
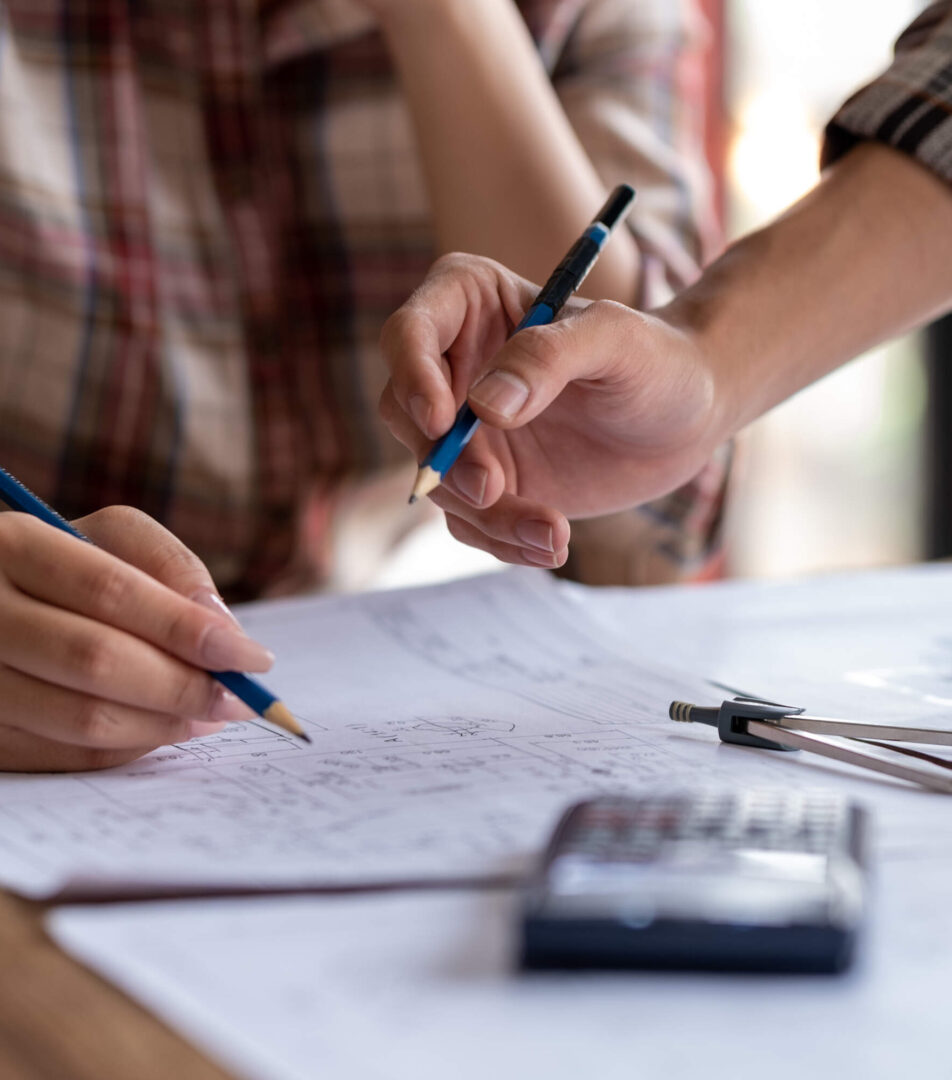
[(506, 173), (861, 258)]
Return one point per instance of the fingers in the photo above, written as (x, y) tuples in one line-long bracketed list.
[(466, 307), (22, 751), (478, 475), (419, 387), (535, 365), (515, 530), (142, 542), (78, 653), (63, 716), (59, 570)]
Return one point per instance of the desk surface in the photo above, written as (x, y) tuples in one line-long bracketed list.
[(58, 1021)]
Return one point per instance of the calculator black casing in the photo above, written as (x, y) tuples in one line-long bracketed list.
[(613, 930)]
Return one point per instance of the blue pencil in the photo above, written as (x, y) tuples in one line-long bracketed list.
[(565, 280), (248, 690)]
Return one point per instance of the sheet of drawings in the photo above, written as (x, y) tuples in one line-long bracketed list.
[(450, 726)]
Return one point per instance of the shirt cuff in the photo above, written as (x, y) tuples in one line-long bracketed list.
[(909, 107)]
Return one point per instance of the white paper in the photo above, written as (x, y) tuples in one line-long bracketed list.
[(450, 725), (874, 645), (422, 985)]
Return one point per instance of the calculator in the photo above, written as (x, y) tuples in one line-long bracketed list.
[(751, 880)]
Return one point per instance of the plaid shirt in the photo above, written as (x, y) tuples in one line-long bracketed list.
[(909, 107), (207, 210)]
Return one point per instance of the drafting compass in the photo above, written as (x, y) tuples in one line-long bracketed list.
[(751, 722)]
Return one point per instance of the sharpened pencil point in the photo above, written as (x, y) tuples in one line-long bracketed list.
[(427, 480), (412, 499), (278, 713)]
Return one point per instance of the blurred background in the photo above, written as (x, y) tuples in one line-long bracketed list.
[(843, 475), (836, 476)]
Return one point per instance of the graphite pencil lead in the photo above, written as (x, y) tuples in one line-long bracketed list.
[(278, 713), (427, 480)]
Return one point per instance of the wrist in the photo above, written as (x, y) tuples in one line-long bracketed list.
[(698, 318)]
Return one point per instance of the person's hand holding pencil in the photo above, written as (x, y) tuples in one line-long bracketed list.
[(601, 410), (103, 649)]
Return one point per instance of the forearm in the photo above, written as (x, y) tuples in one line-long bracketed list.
[(506, 174), (863, 257)]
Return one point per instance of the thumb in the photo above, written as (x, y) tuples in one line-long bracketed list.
[(535, 365)]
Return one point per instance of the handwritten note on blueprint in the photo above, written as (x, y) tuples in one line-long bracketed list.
[(450, 725)]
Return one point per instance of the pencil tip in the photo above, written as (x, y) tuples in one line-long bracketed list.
[(412, 499), (304, 736)]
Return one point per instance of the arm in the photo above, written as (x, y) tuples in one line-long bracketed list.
[(501, 160), (609, 407), (863, 257)]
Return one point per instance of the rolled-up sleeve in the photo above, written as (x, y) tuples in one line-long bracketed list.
[(909, 106), (629, 77), (630, 81)]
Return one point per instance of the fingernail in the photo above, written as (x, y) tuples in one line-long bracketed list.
[(537, 534), (226, 707), (420, 410), (201, 728), (224, 649), (500, 391), (210, 599), (539, 558), (471, 481)]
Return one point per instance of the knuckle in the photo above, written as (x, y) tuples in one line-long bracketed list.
[(95, 725), (179, 730), (190, 694), (15, 530), (93, 659), (184, 632), (452, 261), (128, 517), (539, 348), (176, 564), (395, 332), (109, 587), (612, 311)]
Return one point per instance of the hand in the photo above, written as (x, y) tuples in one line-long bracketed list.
[(602, 410), (103, 649)]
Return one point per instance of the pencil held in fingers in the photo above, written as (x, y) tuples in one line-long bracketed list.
[(504, 392), (262, 701), (428, 479), (281, 715)]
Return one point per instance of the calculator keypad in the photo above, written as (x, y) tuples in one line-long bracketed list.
[(636, 829)]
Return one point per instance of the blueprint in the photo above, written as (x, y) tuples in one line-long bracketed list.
[(452, 725), (449, 727)]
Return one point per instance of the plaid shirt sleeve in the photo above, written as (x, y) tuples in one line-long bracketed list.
[(628, 77), (909, 106)]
